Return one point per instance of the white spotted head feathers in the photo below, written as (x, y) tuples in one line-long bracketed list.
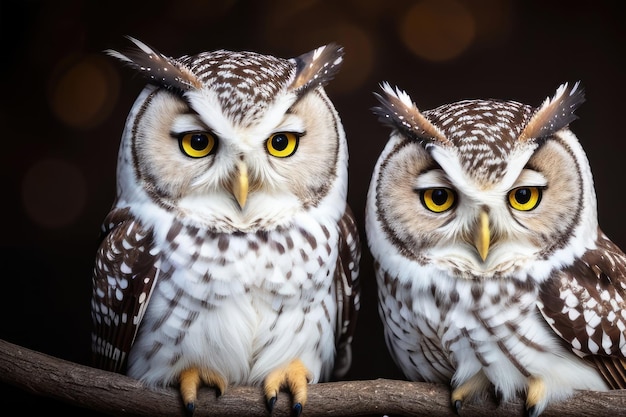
[(246, 83)]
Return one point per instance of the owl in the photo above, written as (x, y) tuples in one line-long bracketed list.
[(230, 255), (492, 273)]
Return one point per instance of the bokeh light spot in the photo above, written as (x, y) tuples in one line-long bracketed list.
[(83, 94), (438, 30), (54, 193)]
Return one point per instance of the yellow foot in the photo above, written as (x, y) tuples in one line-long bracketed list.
[(191, 378), (473, 386), (295, 376), (535, 397)]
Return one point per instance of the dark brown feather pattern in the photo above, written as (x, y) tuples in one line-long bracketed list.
[(124, 275), (612, 369), (347, 290), (585, 304)]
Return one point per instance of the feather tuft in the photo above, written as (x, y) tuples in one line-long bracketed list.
[(554, 114), (398, 111), (159, 69), (317, 67)]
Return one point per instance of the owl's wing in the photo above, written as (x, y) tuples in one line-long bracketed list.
[(347, 291), (585, 305), (125, 272)]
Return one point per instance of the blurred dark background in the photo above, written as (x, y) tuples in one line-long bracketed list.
[(65, 103)]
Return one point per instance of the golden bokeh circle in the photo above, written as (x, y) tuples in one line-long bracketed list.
[(438, 30), (83, 93)]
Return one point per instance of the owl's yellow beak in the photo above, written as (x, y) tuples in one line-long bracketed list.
[(482, 235), (240, 184)]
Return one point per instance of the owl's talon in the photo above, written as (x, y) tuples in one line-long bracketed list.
[(191, 378), (532, 411), (215, 380), (296, 410), (189, 409), (468, 389), (271, 403), (295, 376), (458, 404)]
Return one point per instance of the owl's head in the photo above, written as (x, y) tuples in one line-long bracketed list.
[(483, 188), (233, 140)]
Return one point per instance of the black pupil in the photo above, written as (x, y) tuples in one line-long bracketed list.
[(440, 196), (199, 141), (522, 195), (280, 142)]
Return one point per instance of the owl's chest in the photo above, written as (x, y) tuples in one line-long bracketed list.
[(477, 316), (213, 268), (463, 324)]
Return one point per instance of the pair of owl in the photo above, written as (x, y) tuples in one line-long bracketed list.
[(230, 255)]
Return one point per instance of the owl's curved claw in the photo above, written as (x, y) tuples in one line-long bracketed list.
[(475, 385), (458, 404), (296, 410), (295, 376), (190, 380), (271, 402), (189, 409)]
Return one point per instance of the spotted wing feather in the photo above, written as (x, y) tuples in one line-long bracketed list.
[(585, 304), (347, 292), (124, 275)]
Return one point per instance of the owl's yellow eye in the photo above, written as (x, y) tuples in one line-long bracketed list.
[(525, 198), (282, 144), (197, 144), (438, 200)]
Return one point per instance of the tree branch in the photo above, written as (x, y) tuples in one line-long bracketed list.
[(118, 395)]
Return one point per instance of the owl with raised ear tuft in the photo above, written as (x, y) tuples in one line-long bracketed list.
[(493, 275), (230, 255)]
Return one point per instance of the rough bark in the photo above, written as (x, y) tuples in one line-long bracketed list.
[(118, 395)]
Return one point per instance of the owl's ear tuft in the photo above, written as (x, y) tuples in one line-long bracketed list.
[(161, 70), (554, 114), (317, 67), (398, 111)]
